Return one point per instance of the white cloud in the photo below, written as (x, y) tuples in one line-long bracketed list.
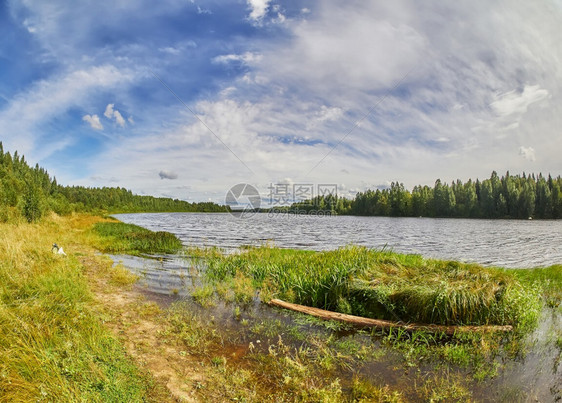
[(280, 16), (30, 28), (258, 9), (108, 111), (329, 114), (131, 120), (112, 113), (178, 48), (246, 58), (528, 153), (171, 50), (30, 111), (480, 77), (203, 10), (514, 102), (118, 118), (94, 121)]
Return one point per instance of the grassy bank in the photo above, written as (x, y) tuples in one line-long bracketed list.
[(53, 345), (118, 237), (382, 284)]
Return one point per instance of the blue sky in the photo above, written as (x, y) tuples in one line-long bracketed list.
[(356, 93)]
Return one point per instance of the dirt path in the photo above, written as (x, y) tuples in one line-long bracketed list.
[(139, 325)]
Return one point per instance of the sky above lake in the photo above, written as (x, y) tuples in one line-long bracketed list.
[(188, 98)]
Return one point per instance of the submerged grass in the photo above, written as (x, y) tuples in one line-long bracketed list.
[(382, 284), (118, 237)]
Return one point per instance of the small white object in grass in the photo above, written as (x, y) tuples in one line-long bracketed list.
[(58, 250)]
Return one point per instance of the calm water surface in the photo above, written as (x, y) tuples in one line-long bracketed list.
[(508, 243)]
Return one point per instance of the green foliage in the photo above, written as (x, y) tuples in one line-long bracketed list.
[(506, 197), (129, 238), (547, 279), (33, 205), (120, 200), (204, 296), (33, 192)]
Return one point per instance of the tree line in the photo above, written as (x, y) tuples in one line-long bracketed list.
[(30, 192), (508, 196)]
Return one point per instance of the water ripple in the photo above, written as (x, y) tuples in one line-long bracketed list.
[(508, 243)]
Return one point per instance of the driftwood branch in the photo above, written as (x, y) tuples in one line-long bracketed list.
[(386, 324)]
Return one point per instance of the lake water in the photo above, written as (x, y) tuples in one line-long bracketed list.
[(507, 243)]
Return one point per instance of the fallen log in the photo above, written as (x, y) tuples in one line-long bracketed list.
[(386, 324)]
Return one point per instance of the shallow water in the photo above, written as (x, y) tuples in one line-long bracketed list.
[(533, 377), (536, 376), (162, 274), (507, 243)]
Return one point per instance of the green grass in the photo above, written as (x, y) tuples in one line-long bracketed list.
[(53, 345), (386, 285), (118, 237), (549, 279)]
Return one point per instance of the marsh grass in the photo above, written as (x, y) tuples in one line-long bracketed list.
[(385, 285), (53, 346), (118, 237), (188, 327), (121, 276), (364, 391), (548, 279)]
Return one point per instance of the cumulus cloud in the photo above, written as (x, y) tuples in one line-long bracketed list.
[(108, 111), (280, 16), (328, 114), (258, 9), (94, 121), (528, 153), (118, 118), (112, 113), (168, 175)]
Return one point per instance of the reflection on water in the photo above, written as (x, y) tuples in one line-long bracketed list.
[(507, 243)]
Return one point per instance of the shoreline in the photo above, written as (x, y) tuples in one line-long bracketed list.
[(236, 350)]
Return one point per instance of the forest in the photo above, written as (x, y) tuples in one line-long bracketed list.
[(508, 196), (31, 192)]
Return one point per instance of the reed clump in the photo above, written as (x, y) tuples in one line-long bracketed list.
[(385, 285), (118, 237)]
